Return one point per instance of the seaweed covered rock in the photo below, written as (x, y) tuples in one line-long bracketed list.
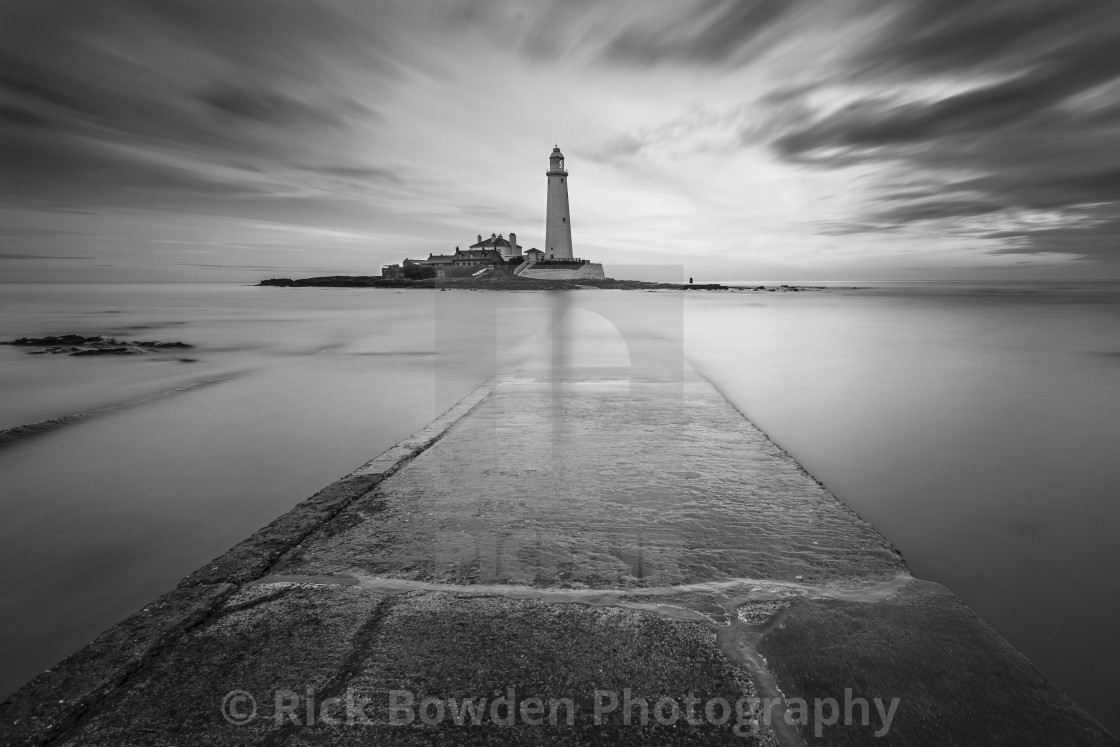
[(83, 346)]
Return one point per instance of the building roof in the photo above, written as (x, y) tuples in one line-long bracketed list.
[(479, 254), (440, 259), (494, 242), (534, 249)]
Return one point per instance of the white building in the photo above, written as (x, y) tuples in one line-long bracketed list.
[(507, 247)]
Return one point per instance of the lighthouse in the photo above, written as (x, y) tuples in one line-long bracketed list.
[(558, 224)]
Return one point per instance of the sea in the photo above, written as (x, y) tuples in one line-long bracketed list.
[(975, 425)]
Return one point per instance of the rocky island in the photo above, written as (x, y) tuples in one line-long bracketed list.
[(503, 282)]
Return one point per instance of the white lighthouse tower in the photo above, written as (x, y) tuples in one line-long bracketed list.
[(558, 223)]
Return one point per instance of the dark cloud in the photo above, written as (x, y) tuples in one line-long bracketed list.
[(934, 208), (1029, 141), (24, 232), (105, 99), (366, 173), (4, 256), (257, 268), (929, 37), (20, 117), (270, 107), (877, 122), (631, 34), (619, 148), (717, 32)]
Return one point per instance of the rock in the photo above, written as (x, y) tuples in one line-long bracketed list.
[(97, 340), (108, 351), (79, 345), (162, 344)]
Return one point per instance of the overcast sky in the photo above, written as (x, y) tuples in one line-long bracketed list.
[(748, 139)]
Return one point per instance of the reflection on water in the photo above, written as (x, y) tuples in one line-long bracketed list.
[(974, 428)]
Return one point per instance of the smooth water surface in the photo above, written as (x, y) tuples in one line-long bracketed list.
[(976, 427)]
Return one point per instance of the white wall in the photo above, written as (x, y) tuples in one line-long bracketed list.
[(592, 270)]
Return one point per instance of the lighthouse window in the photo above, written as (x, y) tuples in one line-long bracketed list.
[(564, 220), (561, 181)]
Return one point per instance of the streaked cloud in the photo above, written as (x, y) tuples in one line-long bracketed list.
[(1022, 159)]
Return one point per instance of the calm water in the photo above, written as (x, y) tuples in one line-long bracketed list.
[(975, 426)]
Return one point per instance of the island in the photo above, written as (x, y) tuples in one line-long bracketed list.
[(511, 282)]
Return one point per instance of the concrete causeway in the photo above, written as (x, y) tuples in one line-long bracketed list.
[(558, 562)]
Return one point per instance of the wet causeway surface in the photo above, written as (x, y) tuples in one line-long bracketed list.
[(646, 497), (602, 484)]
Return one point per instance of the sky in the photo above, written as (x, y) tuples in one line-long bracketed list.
[(198, 140)]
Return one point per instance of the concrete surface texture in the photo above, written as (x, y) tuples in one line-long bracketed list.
[(558, 562)]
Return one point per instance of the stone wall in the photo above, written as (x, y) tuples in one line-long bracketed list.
[(589, 271)]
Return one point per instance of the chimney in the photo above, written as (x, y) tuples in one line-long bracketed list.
[(513, 244), (480, 238)]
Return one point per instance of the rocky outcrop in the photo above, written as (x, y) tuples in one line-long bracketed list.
[(346, 281), (79, 345)]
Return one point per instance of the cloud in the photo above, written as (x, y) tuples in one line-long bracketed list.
[(173, 96), (716, 32), (256, 268), (274, 108), (697, 130), (32, 232), (629, 33), (931, 37), (358, 172), (1021, 123), (4, 256)]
